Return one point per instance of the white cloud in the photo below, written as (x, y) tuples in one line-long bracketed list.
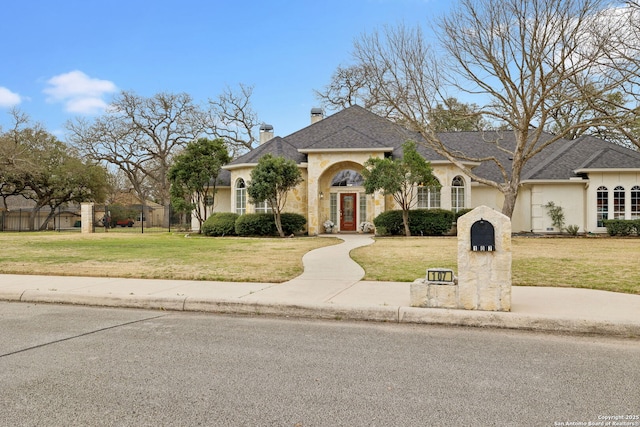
[(8, 98), (79, 92)]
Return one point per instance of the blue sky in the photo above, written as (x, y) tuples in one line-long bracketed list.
[(64, 59)]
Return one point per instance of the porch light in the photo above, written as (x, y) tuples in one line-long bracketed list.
[(321, 195)]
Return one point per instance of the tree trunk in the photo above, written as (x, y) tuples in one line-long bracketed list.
[(510, 197), (45, 224), (276, 217), (405, 221)]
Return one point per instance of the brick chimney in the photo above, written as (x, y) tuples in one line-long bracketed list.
[(266, 133), (316, 115)]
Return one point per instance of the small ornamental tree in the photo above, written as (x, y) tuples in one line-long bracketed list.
[(399, 178), (271, 181), (193, 176)]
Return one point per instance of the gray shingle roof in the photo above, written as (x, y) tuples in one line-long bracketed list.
[(357, 128)]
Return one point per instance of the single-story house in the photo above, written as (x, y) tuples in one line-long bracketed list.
[(591, 179)]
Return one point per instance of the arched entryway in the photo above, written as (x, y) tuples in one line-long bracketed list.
[(344, 202)]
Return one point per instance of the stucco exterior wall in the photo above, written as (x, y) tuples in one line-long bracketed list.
[(569, 195)]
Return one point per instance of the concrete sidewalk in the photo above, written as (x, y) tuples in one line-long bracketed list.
[(331, 288)]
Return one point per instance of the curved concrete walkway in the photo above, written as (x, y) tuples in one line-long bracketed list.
[(328, 271)]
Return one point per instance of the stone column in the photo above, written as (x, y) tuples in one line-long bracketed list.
[(484, 273), (87, 216)]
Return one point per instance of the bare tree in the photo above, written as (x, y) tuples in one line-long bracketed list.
[(235, 120), (139, 136), (524, 59)]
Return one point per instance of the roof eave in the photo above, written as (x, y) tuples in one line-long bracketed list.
[(554, 181), (302, 165), (346, 150), (591, 170)]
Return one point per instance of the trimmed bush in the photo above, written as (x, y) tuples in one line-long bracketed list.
[(292, 223), (430, 222), (256, 224), (391, 221), (263, 224), (422, 222), (462, 212), (622, 227), (220, 224)]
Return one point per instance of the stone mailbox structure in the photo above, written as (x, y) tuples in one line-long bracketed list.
[(484, 267)]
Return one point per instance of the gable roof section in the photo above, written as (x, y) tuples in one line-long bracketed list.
[(347, 138), (567, 158), (277, 146), (376, 129)]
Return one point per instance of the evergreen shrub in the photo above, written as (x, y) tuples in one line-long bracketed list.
[(220, 224), (292, 223), (622, 227), (256, 224), (422, 222)]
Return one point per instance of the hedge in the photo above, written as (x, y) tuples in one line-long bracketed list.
[(220, 224), (263, 224), (256, 224), (622, 227), (422, 222)]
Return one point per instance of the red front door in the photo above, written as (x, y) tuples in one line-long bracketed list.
[(348, 211)]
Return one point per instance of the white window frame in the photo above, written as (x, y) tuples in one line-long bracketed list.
[(635, 202), (458, 194), (262, 207), (241, 196), (602, 205), (619, 205), (429, 197)]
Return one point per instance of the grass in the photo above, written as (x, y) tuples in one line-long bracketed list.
[(155, 256), (604, 263)]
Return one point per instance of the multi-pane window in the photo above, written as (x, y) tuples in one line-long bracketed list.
[(602, 197), (457, 193), (635, 202), (363, 207), (618, 202), (263, 207), (428, 197), (333, 207), (241, 197)]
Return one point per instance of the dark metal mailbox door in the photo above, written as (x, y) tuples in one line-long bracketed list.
[(483, 236)]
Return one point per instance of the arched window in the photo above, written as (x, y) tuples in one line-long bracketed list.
[(602, 197), (428, 197), (347, 178), (241, 197), (618, 202), (635, 202), (457, 193)]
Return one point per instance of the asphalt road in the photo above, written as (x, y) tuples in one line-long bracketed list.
[(82, 366)]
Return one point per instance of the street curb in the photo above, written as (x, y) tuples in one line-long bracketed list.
[(124, 301), (328, 311)]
